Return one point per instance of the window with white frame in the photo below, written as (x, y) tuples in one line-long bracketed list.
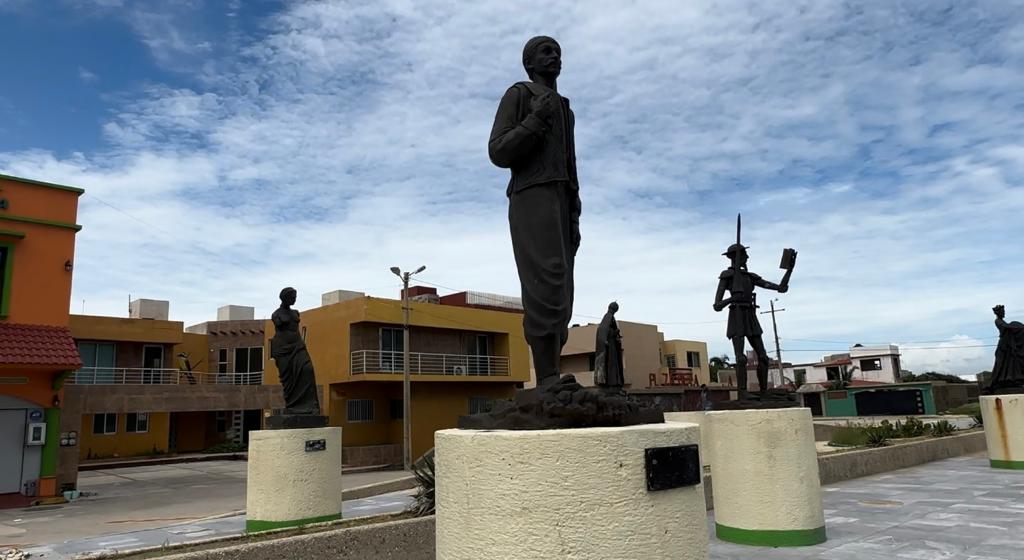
[(670, 360), (693, 359), (249, 360), (136, 422), (104, 423), (222, 360), (359, 410)]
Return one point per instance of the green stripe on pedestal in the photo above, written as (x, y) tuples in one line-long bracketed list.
[(1000, 464), (761, 537), (255, 525)]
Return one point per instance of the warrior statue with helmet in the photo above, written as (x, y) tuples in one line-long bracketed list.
[(742, 304)]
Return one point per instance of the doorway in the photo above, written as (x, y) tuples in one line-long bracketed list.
[(12, 449), (813, 401), (152, 363)]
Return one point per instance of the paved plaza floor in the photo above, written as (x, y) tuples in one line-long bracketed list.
[(957, 509), (134, 506)]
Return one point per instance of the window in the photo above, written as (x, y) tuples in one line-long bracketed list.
[(104, 423), (693, 359), (481, 349), (397, 409), (392, 344), (136, 422), (670, 360), (97, 362), (5, 264), (222, 421), (871, 365), (222, 360), (249, 360), (833, 373), (800, 376), (480, 405), (360, 410)]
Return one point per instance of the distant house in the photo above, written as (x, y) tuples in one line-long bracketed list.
[(876, 363)]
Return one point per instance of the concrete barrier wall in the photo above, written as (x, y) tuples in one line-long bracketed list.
[(865, 462), (411, 539)]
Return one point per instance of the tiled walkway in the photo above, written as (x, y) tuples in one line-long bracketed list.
[(957, 509)]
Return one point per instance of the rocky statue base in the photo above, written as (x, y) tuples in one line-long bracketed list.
[(565, 404), (756, 401), (295, 421)]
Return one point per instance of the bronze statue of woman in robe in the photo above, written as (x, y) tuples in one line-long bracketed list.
[(294, 366), (1008, 370)]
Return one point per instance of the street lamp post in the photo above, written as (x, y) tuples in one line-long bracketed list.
[(406, 380)]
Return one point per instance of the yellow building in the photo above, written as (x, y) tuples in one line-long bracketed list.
[(148, 387), (462, 358), (687, 354)]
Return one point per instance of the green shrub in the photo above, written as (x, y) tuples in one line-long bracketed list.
[(889, 430), (876, 436), (969, 409), (423, 469), (848, 436), (226, 447), (912, 428), (943, 428)]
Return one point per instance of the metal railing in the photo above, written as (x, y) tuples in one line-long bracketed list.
[(378, 361), (160, 376)]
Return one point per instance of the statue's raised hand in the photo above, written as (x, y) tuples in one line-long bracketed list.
[(1000, 311)]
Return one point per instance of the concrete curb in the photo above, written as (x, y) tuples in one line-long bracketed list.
[(170, 460), (846, 465), (378, 488)]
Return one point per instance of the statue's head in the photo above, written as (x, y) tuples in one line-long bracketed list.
[(1000, 311), (613, 307), (737, 254), (542, 55), (288, 296)]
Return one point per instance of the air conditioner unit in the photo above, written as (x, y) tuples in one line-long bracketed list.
[(459, 370)]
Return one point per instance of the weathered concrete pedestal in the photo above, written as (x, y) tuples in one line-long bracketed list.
[(294, 478), (765, 469), (557, 494), (1003, 416), (695, 417)]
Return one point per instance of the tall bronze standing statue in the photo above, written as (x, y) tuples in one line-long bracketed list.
[(1008, 370), (294, 367), (533, 137), (742, 303), (608, 366)]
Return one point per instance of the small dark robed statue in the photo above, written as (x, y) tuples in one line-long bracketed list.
[(608, 367), (742, 304), (293, 364), (1008, 370)]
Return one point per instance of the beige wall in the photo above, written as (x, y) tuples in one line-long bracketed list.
[(679, 348), (641, 345)]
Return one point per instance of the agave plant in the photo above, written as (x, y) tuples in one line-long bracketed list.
[(423, 469), (876, 436), (943, 428)]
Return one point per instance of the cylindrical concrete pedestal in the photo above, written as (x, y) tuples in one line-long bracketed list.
[(1003, 416), (698, 418), (765, 470), (557, 494), (294, 478)]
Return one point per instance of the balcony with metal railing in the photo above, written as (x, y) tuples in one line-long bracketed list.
[(160, 376), (420, 363)]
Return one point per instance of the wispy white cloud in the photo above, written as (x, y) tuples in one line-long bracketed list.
[(881, 140), (87, 76)]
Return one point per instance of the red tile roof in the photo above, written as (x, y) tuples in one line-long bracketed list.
[(38, 345)]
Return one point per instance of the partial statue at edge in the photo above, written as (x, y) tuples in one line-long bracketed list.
[(533, 137), (608, 368), (294, 366), (1008, 370), (742, 304)]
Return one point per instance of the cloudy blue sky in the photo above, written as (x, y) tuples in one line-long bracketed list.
[(231, 148)]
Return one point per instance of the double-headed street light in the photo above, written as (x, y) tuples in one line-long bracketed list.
[(406, 381)]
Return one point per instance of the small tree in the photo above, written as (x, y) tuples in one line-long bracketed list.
[(718, 363)]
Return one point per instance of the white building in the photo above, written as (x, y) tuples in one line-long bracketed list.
[(874, 363)]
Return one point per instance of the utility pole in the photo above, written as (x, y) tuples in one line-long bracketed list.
[(778, 350), (406, 379)]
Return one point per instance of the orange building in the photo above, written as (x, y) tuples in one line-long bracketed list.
[(37, 248)]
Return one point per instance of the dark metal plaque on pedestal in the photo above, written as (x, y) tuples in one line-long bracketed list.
[(672, 467)]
